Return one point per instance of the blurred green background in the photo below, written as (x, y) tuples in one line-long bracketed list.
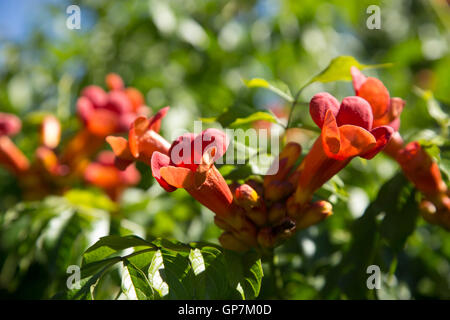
[(192, 55)]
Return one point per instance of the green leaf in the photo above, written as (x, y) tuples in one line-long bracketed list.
[(109, 245), (400, 221), (260, 115), (434, 109), (244, 271), (137, 282), (229, 115), (171, 270), (87, 285), (339, 69), (90, 199), (278, 87), (395, 202)]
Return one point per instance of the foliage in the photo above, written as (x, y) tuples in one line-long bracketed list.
[(231, 64)]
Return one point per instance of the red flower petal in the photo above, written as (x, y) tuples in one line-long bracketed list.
[(106, 158), (130, 176), (355, 111), (330, 135), (155, 121), (136, 98), (138, 128), (181, 151), (118, 102), (210, 138), (354, 142), (159, 161), (178, 177), (396, 106), (85, 109), (320, 104), (382, 135), (103, 122), (395, 124), (358, 78), (96, 95), (374, 91), (119, 145)]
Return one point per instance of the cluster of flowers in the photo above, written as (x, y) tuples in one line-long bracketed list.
[(255, 214), (261, 215), (54, 170)]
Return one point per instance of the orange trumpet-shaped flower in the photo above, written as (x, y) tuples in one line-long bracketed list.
[(421, 170), (424, 173), (106, 176), (11, 157), (386, 110), (191, 166), (143, 141), (347, 132)]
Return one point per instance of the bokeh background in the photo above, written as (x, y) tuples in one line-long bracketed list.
[(192, 55)]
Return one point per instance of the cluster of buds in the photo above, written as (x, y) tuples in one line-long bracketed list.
[(51, 172)]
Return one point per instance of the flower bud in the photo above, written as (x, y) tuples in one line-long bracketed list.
[(278, 190), (428, 210), (276, 213), (136, 98), (222, 224), (313, 214), (285, 162), (246, 197), (421, 170), (230, 242), (258, 216)]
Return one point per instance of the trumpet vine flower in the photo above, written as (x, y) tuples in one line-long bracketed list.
[(347, 132), (103, 174), (424, 173), (143, 141)]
